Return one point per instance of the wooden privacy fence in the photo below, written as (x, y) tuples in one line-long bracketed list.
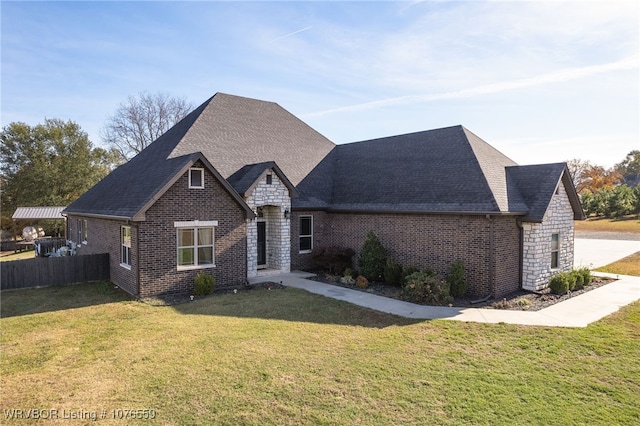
[(45, 271)]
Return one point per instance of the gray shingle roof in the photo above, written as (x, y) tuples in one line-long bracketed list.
[(448, 170), (230, 131), (537, 184), (442, 170)]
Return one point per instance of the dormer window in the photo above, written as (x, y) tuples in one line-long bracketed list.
[(196, 178)]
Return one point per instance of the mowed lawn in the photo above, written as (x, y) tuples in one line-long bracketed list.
[(287, 357), (626, 224)]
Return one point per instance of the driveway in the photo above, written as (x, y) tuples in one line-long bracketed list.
[(594, 253)]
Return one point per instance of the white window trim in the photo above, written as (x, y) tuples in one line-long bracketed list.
[(124, 265), (306, 236), (195, 224), (193, 169)]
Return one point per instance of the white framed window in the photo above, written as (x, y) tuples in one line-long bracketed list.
[(82, 231), (125, 243), (196, 178), (555, 251), (195, 244), (306, 234)]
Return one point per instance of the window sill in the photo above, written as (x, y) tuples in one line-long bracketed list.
[(125, 266), (194, 267), (305, 251)]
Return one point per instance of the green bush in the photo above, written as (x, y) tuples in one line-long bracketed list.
[(457, 279), (425, 287), (373, 258), (204, 284), (587, 278), (393, 273), (559, 283), (578, 279)]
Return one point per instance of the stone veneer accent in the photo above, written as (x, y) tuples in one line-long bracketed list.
[(536, 244), (274, 199), (488, 247)]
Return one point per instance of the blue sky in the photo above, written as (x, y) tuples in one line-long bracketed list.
[(540, 81)]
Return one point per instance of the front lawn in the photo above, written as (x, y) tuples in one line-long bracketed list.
[(287, 357), (627, 224), (629, 265)]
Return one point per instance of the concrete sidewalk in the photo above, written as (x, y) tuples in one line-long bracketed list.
[(578, 311)]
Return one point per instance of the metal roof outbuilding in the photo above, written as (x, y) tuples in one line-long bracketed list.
[(39, 213)]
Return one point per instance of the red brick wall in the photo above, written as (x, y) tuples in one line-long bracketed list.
[(103, 236), (154, 250), (426, 241), (157, 238)]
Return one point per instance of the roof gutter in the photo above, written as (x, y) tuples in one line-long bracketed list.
[(97, 216), (392, 211)]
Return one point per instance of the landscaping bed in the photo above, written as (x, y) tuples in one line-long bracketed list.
[(520, 300)]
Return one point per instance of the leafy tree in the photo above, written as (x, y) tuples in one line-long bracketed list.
[(597, 178), (142, 119), (622, 201), (48, 164), (629, 168)]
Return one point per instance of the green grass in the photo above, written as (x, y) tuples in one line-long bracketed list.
[(629, 265), (287, 357), (628, 224), (28, 254)]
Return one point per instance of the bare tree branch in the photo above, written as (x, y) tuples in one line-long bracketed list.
[(142, 119)]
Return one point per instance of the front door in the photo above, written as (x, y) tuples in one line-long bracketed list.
[(262, 244)]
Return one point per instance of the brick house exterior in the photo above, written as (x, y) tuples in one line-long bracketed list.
[(241, 187)]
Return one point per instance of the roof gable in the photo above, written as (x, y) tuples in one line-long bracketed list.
[(537, 184), (245, 179)]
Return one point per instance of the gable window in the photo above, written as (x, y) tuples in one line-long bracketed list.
[(82, 231), (196, 178), (306, 234), (125, 243), (195, 244), (269, 179), (555, 250)]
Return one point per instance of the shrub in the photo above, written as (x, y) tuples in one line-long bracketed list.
[(373, 257), (393, 274), (347, 277), (204, 284), (457, 279), (425, 287), (587, 278), (410, 270), (332, 259), (559, 283), (362, 282), (578, 280)]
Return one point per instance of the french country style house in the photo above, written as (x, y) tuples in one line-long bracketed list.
[(240, 187)]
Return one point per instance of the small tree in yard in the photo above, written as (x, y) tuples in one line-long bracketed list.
[(456, 279), (373, 257)]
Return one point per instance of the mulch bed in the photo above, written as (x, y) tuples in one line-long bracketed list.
[(518, 301)]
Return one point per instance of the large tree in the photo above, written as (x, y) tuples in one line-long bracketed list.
[(49, 164), (142, 119), (629, 168)]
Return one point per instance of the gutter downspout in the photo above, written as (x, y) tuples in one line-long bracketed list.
[(520, 252), (492, 283)]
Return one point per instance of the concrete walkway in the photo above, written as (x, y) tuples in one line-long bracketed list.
[(578, 311)]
